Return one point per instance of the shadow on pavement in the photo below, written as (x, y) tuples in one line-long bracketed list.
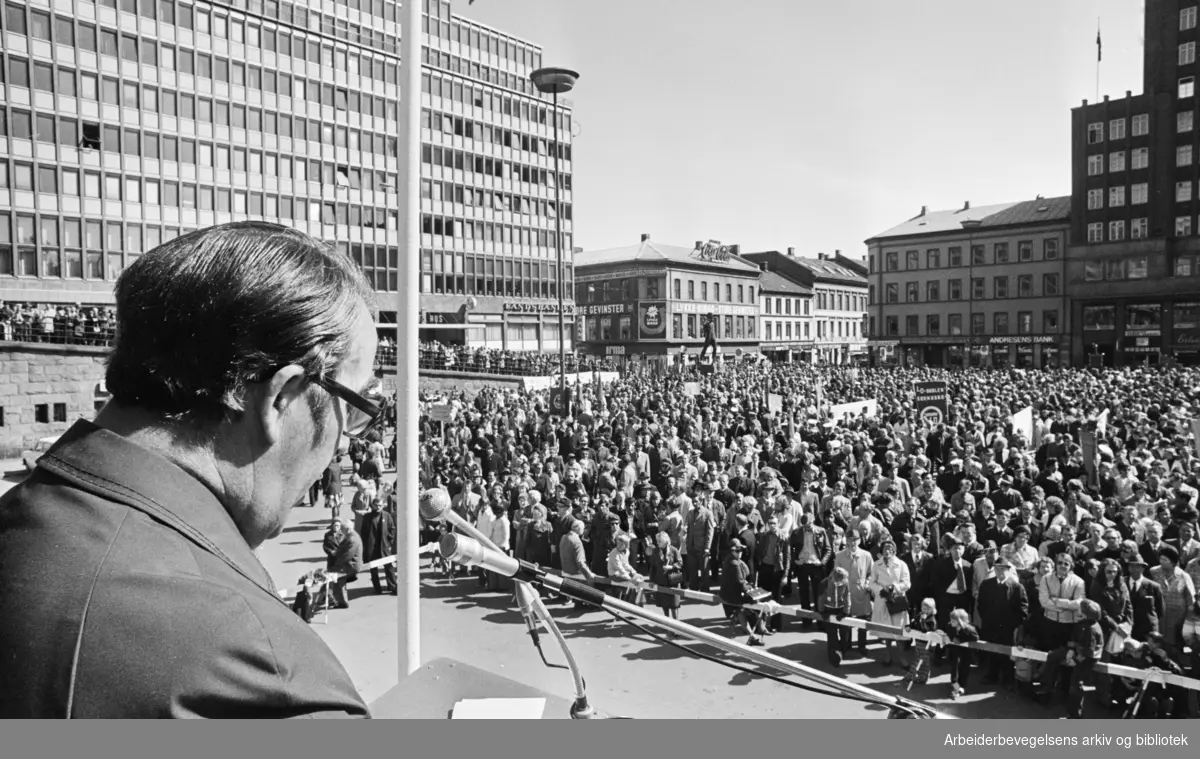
[(305, 560)]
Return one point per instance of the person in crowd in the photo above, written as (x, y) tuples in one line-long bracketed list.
[(773, 558), (889, 584), (736, 591), (811, 553), (1060, 595), (1081, 651), (834, 605), (857, 563), (960, 630), (666, 570), (926, 622), (379, 541), (1147, 606), (950, 579), (1003, 607), (346, 563), (1179, 596)]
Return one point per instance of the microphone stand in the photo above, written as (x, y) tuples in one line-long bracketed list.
[(900, 708), (529, 600)]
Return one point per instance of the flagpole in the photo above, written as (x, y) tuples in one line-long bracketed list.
[(1099, 55)]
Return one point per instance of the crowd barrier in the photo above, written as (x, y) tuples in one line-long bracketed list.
[(937, 638)]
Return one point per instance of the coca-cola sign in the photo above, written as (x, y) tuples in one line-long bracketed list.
[(713, 250)]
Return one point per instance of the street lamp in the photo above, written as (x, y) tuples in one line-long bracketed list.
[(555, 81), (970, 225)]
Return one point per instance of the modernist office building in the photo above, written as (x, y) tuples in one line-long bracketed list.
[(1133, 268), (125, 123), (984, 284)]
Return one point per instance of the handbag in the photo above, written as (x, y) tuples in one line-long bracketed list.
[(674, 578), (896, 603)]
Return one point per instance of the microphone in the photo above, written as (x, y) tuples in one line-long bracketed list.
[(435, 507), (464, 549)]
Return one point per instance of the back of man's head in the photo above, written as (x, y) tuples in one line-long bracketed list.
[(204, 315)]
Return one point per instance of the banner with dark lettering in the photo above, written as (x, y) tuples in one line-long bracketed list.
[(931, 400)]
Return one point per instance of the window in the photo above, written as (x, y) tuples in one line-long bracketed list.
[(893, 260), (1095, 133), (1183, 226), (1049, 284), (1116, 231), (1183, 191), (1050, 321), (954, 323), (1184, 121), (955, 289), (1025, 250), (1096, 165), (977, 324), (978, 258), (1138, 228), (912, 260), (893, 326), (1141, 158), (933, 291), (1187, 18), (1099, 318), (1024, 285), (933, 258), (1116, 196), (1000, 250), (60, 412), (1141, 125), (1116, 161), (1095, 200), (893, 292), (1187, 87), (1183, 155), (912, 293), (41, 413), (978, 286), (1187, 53), (1139, 194), (955, 256), (1000, 320), (1000, 286), (933, 324), (912, 324), (1025, 322)]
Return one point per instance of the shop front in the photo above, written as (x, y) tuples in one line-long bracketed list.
[(1185, 333), (1142, 337), (884, 353), (1024, 351)]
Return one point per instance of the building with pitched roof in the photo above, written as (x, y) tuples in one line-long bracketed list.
[(839, 302), (785, 310), (652, 299), (980, 286)]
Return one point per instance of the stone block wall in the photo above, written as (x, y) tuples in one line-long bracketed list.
[(33, 375)]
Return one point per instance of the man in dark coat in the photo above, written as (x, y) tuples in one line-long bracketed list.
[(379, 541), (1146, 598), (919, 562), (1003, 607), (329, 545), (736, 590), (156, 605), (346, 562), (951, 585)]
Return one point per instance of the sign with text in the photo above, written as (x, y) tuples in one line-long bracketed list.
[(442, 412), (857, 409), (652, 321), (691, 389), (932, 401), (713, 250), (607, 308)]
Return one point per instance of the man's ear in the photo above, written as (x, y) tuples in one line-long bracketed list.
[(275, 398)]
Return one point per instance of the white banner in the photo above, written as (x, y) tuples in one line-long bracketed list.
[(1196, 435), (1022, 422), (842, 411), (691, 389), (583, 378), (1102, 423)]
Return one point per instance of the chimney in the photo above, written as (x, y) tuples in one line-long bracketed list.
[(966, 206), (792, 252), (924, 210), (645, 237), (820, 256), (837, 253), (1128, 93), (1106, 98), (699, 244)]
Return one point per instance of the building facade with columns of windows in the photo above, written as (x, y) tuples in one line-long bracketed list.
[(971, 286), (127, 123), (786, 314)]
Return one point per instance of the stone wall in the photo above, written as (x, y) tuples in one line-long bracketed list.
[(32, 374)]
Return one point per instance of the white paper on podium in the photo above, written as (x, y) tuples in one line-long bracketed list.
[(499, 708)]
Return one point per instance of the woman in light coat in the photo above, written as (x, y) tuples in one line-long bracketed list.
[(889, 579)]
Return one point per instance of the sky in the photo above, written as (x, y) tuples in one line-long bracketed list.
[(816, 125)]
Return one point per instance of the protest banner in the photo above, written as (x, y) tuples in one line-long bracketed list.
[(841, 411), (1087, 440), (441, 412), (1102, 423), (1196, 435), (932, 401), (774, 403), (1022, 422), (691, 389)]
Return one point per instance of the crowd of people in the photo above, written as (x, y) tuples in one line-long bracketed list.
[(523, 363), (56, 323), (966, 526)]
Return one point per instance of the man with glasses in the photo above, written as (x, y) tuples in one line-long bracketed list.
[(149, 517)]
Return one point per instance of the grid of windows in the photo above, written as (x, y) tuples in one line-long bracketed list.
[(144, 136)]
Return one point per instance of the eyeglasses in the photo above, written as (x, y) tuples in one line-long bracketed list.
[(365, 411)]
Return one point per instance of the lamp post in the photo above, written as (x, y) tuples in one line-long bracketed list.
[(970, 225), (555, 81)]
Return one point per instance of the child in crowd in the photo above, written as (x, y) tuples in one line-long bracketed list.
[(961, 631), (926, 622)]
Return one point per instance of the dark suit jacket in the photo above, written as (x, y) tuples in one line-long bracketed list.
[(378, 535), (918, 575), (154, 605), (942, 573), (1146, 599), (1003, 607)]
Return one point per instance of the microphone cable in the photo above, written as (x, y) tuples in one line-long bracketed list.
[(740, 667)]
